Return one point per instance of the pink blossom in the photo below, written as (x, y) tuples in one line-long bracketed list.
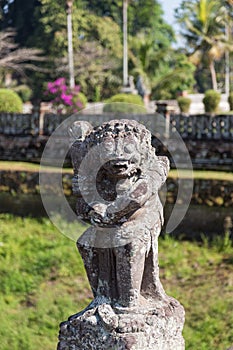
[(67, 99), (50, 85), (63, 88), (60, 81), (53, 90)]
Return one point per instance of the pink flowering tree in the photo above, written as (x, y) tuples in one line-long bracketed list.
[(64, 99)]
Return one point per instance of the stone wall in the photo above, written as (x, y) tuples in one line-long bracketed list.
[(208, 139), (22, 147), (205, 154)]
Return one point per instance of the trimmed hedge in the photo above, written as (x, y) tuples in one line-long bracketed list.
[(184, 104), (10, 101), (24, 92), (211, 101), (125, 103)]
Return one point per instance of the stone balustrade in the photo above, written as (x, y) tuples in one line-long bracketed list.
[(203, 127), (195, 127), (23, 136)]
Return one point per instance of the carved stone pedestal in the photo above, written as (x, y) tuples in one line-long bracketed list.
[(105, 328)]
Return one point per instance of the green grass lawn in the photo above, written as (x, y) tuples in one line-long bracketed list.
[(201, 174), (197, 174), (25, 166), (43, 282)]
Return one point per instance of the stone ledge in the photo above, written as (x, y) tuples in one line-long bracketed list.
[(107, 328)]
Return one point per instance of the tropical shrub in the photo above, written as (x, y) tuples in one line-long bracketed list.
[(230, 100), (24, 92), (211, 101), (125, 103), (10, 101), (64, 99), (184, 104), (82, 98)]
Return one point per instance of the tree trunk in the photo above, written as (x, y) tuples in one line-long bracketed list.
[(213, 76)]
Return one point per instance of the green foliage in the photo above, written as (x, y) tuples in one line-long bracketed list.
[(230, 100), (184, 103), (223, 243), (203, 24), (10, 101), (150, 18), (24, 92), (211, 101), (178, 76), (107, 8), (97, 94), (150, 55), (82, 98), (96, 41), (86, 27), (125, 103), (147, 15), (127, 98)]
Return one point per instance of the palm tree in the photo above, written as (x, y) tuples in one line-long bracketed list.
[(203, 24), (143, 56), (161, 70)]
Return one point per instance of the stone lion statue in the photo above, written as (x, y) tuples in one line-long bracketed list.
[(117, 176)]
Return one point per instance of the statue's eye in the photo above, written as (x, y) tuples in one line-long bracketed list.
[(129, 148), (108, 146)]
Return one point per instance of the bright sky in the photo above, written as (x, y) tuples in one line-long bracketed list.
[(168, 7)]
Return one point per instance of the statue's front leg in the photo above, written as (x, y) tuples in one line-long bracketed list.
[(130, 261), (99, 265), (90, 260)]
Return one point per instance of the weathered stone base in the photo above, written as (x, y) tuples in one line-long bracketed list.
[(105, 328)]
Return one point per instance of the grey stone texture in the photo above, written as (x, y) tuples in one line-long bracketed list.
[(117, 176)]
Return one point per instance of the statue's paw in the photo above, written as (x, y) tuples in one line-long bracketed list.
[(108, 316), (131, 323)]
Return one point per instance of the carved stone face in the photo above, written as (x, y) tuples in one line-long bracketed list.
[(121, 155)]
